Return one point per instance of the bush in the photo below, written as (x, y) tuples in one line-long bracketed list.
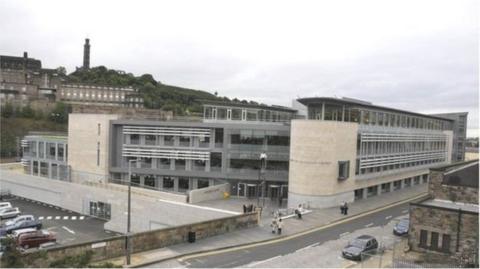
[(79, 261), (11, 256)]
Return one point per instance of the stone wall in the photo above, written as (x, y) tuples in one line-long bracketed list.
[(444, 221), (447, 192), (214, 192), (115, 247)]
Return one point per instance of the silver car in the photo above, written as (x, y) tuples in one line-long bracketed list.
[(9, 212)]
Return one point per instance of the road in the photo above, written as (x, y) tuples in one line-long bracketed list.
[(332, 238)]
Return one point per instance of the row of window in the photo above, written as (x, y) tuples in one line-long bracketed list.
[(390, 186), (380, 168), (378, 148), (43, 169), (364, 116), (168, 182), (434, 241), (245, 114), (95, 96), (179, 164), (46, 150)]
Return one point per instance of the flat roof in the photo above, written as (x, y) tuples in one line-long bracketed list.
[(238, 104), (349, 101), (452, 205)]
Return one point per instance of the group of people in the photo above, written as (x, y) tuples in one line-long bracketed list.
[(277, 225), (344, 208)]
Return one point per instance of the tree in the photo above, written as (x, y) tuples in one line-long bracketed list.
[(28, 112), (60, 113), (61, 70), (11, 258), (7, 110)]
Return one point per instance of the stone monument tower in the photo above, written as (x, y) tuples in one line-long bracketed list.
[(86, 54)]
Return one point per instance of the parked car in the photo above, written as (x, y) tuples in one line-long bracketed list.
[(359, 245), (401, 228), (17, 233), (35, 239), (9, 212), (20, 222), (5, 205)]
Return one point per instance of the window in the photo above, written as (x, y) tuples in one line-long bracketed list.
[(183, 184), (180, 164), (434, 241), (168, 183), (60, 152), (423, 239), (150, 181), (343, 169), (134, 139), (202, 183), (164, 163), (215, 161), (98, 153), (168, 140), (236, 114), (150, 140), (184, 141), (446, 243)]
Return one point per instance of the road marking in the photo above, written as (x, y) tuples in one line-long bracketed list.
[(81, 217), (57, 217), (68, 230), (309, 231), (107, 232), (74, 218), (50, 205), (49, 217), (345, 233), (405, 211), (264, 261), (369, 225), (40, 218), (388, 217), (65, 217), (51, 228)]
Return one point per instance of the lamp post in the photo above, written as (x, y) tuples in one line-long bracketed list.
[(127, 243), (263, 165)]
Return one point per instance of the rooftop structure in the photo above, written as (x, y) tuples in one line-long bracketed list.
[(86, 54)]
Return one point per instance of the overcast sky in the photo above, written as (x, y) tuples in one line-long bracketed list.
[(413, 55)]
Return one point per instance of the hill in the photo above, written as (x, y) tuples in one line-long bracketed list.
[(156, 94)]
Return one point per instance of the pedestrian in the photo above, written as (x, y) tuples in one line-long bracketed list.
[(342, 208), (274, 225), (244, 209), (299, 211), (345, 208), (279, 226)]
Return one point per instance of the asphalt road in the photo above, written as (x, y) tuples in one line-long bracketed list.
[(69, 227), (246, 256)]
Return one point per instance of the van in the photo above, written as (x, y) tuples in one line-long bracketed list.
[(17, 233), (35, 239)]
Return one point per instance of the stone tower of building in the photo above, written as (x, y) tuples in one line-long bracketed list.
[(86, 54)]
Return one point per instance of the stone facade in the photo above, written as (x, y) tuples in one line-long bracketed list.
[(453, 193)]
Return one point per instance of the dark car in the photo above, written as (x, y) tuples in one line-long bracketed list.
[(35, 239), (20, 222), (359, 245), (401, 228)]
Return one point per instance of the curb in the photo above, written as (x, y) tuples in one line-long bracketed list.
[(283, 237)]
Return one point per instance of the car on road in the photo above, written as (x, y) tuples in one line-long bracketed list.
[(9, 212), (35, 239), (401, 228), (20, 222), (5, 205), (359, 245)]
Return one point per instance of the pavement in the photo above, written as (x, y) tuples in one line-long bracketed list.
[(261, 235), (69, 227)]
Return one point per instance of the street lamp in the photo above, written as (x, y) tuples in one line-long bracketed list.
[(263, 166), (127, 243)]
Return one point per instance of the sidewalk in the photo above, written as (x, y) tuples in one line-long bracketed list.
[(315, 219)]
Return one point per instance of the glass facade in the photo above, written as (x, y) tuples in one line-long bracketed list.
[(249, 114)]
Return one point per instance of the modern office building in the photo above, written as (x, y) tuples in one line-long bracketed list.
[(335, 150), (45, 155), (459, 134), (348, 149)]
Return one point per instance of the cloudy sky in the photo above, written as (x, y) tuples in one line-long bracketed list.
[(412, 55)]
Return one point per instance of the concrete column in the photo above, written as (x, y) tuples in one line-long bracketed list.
[(142, 139), (364, 193), (211, 182), (154, 163), (56, 151), (207, 166), (49, 166), (142, 180), (391, 186), (323, 110), (402, 183), (175, 184), (194, 183)]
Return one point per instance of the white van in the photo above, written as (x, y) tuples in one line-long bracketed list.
[(5, 205)]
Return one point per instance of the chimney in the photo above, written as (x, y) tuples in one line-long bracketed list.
[(86, 54)]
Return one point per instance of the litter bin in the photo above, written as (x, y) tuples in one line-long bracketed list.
[(191, 237)]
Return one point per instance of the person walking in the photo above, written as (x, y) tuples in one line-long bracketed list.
[(274, 225), (299, 211), (279, 226), (345, 208), (342, 208)]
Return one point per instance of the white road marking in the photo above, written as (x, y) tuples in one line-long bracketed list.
[(65, 217), (307, 247), (68, 230), (201, 207), (345, 233), (405, 211), (49, 217), (51, 228), (81, 217), (264, 261), (369, 225), (74, 218), (40, 218), (57, 217), (388, 217)]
